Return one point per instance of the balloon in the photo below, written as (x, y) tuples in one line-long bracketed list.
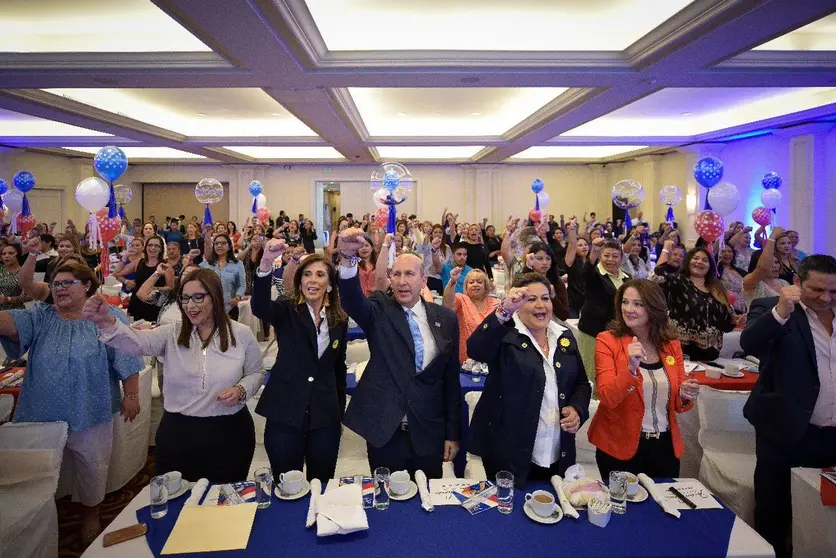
[(537, 186), (263, 215), (724, 198), (26, 223), (772, 180), (381, 217), (110, 162), (543, 200), (14, 200), (709, 225), (124, 194), (391, 176), (379, 198), (92, 194), (762, 216), (4, 187), (771, 198), (670, 195), (255, 188), (109, 227), (535, 215), (24, 181), (260, 201), (708, 171), (627, 194), (209, 191)]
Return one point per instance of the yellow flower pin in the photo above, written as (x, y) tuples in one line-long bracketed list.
[(670, 361), (335, 343), (564, 342)]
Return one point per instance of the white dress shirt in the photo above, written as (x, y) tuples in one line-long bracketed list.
[(323, 336), (656, 387), (547, 440), (195, 376), (824, 412)]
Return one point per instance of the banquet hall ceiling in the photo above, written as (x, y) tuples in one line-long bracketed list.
[(471, 81)]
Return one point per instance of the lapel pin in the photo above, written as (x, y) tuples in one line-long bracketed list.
[(437, 324)]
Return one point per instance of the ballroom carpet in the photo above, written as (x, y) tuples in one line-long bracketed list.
[(69, 526)]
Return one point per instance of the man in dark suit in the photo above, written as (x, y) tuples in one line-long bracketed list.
[(793, 404), (408, 404)]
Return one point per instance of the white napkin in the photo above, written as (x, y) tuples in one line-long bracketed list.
[(423, 490), (316, 494), (654, 492), (340, 511), (568, 509), (197, 492), (574, 473)]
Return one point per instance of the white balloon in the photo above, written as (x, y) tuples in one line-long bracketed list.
[(380, 194), (771, 198), (543, 198), (724, 198), (260, 201), (14, 200), (92, 194)]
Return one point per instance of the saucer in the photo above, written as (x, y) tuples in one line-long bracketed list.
[(306, 487), (185, 486), (639, 496), (555, 517), (413, 490), (739, 374)]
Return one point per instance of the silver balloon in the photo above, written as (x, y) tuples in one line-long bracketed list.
[(123, 194), (209, 191), (670, 195), (627, 194), (771, 198), (724, 198)]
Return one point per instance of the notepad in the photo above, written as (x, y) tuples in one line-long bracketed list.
[(692, 489), (211, 528)]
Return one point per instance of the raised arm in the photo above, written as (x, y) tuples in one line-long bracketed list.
[(381, 268), (35, 290), (112, 332), (262, 306), (483, 345), (450, 288), (290, 270), (761, 272), (665, 253), (146, 291), (572, 247), (208, 245), (595, 250), (352, 299), (505, 249)]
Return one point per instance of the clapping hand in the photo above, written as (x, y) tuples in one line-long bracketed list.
[(272, 250), (96, 310), (635, 351), (515, 298)]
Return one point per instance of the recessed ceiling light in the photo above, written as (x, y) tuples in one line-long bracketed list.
[(200, 113), (686, 114), (276, 114), (402, 114), (475, 114)]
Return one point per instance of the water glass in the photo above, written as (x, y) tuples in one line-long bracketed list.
[(505, 491), (263, 487), (618, 491), (159, 496), (381, 488)]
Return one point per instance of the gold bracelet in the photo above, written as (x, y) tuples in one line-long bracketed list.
[(132, 396)]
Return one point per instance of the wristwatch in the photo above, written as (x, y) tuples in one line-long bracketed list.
[(352, 260)]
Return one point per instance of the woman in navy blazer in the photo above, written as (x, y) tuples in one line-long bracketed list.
[(536, 396), (304, 399)]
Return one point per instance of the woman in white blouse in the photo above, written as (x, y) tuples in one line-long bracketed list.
[(212, 366)]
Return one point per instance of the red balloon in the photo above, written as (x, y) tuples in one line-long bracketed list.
[(109, 227), (535, 215), (381, 217), (26, 223), (263, 215), (709, 225), (762, 216)]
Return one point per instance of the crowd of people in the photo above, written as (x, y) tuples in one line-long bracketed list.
[(645, 303)]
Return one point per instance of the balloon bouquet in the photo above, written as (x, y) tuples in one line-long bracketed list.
[(541, 201), (709, 224), (22, 220), (391, 184), (124, 195), (259, 202), (208, 191), (627, 194), (670, 196)]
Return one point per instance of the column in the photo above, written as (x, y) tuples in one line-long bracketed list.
[(693, 193), (602, 183), (240, 200), (482, 185), (649, 177)]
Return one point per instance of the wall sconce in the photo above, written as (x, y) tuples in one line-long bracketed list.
[(691, 203)]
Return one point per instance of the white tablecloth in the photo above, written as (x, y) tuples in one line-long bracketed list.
[(245, 316), (813, 525)]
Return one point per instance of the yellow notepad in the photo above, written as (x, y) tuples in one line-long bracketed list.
[(211, 528)]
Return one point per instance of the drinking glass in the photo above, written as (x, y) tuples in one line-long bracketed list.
[(618, 491), (381, 488), (159, 496), (263, 487), (505, 491)]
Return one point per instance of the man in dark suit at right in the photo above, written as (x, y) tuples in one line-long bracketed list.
[(793, 404)]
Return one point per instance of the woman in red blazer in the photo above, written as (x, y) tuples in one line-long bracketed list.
[(640, 378)]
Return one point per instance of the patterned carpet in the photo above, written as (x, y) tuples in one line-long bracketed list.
[(69, 519)]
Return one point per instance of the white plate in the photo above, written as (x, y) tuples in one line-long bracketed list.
[(639, 496), (740, 374), (413, 490), (185, 486), (306, 487), (551, 520)]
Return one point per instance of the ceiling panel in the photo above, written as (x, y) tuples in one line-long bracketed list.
[(210, 112), (91, 26), (428, 152), (522, 25), (483, 111), (144, 152), (13, 124), (540, 152), (287, 153), (693, 111), (819, 35)]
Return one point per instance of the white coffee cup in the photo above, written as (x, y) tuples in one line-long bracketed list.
[(291, 482), (172, 481), (632, 485), (399, 482), (542, 502), (732, 369)]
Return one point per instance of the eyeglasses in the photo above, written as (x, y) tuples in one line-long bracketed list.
[(222, 243), (66, 284), (197, 298)]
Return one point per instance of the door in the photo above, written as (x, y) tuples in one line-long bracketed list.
[(47, 205)]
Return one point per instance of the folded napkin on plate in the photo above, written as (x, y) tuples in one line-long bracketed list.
[(316, 494), (424, 490), (567, 508), (197, 492), (340, 511), (657, 495)]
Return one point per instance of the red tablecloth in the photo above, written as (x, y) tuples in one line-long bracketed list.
[(746, 383), (13, 391)]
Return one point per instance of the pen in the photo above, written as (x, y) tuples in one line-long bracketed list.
[(682, 497)]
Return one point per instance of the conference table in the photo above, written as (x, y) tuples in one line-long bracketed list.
[(405, 529)]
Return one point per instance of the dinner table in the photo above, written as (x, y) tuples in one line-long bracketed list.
[(406, 529), (14, 391), (813, 523)]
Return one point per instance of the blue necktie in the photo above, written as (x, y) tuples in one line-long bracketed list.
[(417, 339)]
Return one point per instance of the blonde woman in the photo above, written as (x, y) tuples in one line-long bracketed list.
[(472, 307)]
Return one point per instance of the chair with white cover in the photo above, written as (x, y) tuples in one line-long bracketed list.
[(30, 461), (473, 468), (728, 443), (357, 351), (7, 403), (585, 451)]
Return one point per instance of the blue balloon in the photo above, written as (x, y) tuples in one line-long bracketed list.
[(708, 171), (4, 187), (110, 162), (537, 186), (255, 188), (391, 180), (772, 180), (24, 181)]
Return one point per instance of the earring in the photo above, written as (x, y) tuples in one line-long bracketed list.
[(301, 299), (328, 290), (326, 303)]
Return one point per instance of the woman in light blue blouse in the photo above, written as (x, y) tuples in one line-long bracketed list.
[(220, 257), (72, 377)]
